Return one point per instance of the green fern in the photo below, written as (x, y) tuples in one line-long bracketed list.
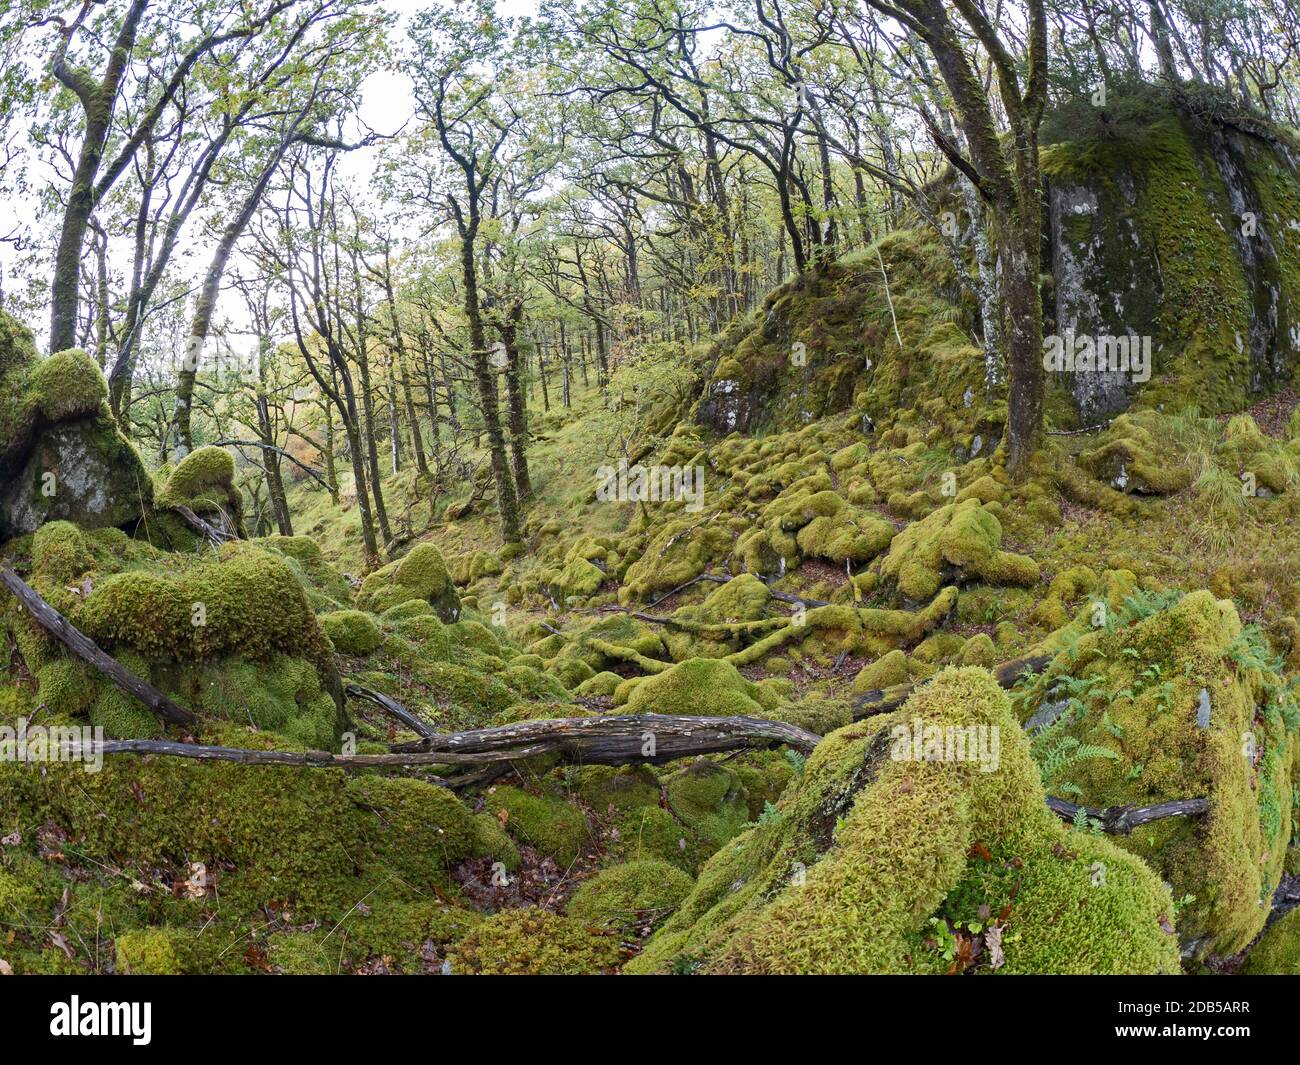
[(1065, 752)]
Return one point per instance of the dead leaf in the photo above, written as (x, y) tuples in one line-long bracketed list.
[(57, 939), (993, 944)]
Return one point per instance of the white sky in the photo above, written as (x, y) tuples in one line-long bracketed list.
[(387, 103)]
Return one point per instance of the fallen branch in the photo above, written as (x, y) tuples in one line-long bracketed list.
[(1121, 820), (714, 578), (203, 528), (885, 700), (85, 648), (626, 739), (417, 724)]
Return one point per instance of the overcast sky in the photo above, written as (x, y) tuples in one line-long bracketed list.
[(386, 104)]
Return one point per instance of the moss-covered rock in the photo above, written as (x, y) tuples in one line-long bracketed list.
[(960, 541), (352, 632), (555, 828), (421, 574), (631, 896), (873, 843), (703, 686), (1175, 702), (62, 457), (1278, 951)]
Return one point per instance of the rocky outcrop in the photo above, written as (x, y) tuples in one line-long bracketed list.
[(1174, 250), (1176, 233), (62, 456)]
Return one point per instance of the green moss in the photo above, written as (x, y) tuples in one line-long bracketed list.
[(283, 694), (1189, 704), (963, 537), (703, 686), (275, 833), (492, 841), (1134, 455), (17, 344), (679, 551), (412, 608), (557, 829), (631, 896), (819, 714), (61, 552), (248, 603), (602, 684), (607, 790), (148, 952), (978, 651), (352, 632), (422, 574), (68, 687), (710, 800), (884, 672), (123, 716), (1278, 951), (534, 942), (206, 472), (868, 845), (68, 385), (419, 830)]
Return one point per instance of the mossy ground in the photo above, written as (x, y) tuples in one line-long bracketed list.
[(872, 539)]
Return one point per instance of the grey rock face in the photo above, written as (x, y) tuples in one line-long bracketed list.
[(81, 471)]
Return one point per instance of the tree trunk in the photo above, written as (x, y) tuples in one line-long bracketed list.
[(517, 412), (485, 379)]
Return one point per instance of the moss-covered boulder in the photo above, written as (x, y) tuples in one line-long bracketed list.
[(1134, 455), (1278, 951), (886, 852), (701, 686), (62, 456), (957, 542), (204, 481), (555, 828), (1172, 703), (352, 632), (421, 574), (1213, 197)]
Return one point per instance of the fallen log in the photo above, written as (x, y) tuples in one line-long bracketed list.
[(626, 740), (85, 648), (596, 745), (1121, 820), (885, 700), (417, 724)]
